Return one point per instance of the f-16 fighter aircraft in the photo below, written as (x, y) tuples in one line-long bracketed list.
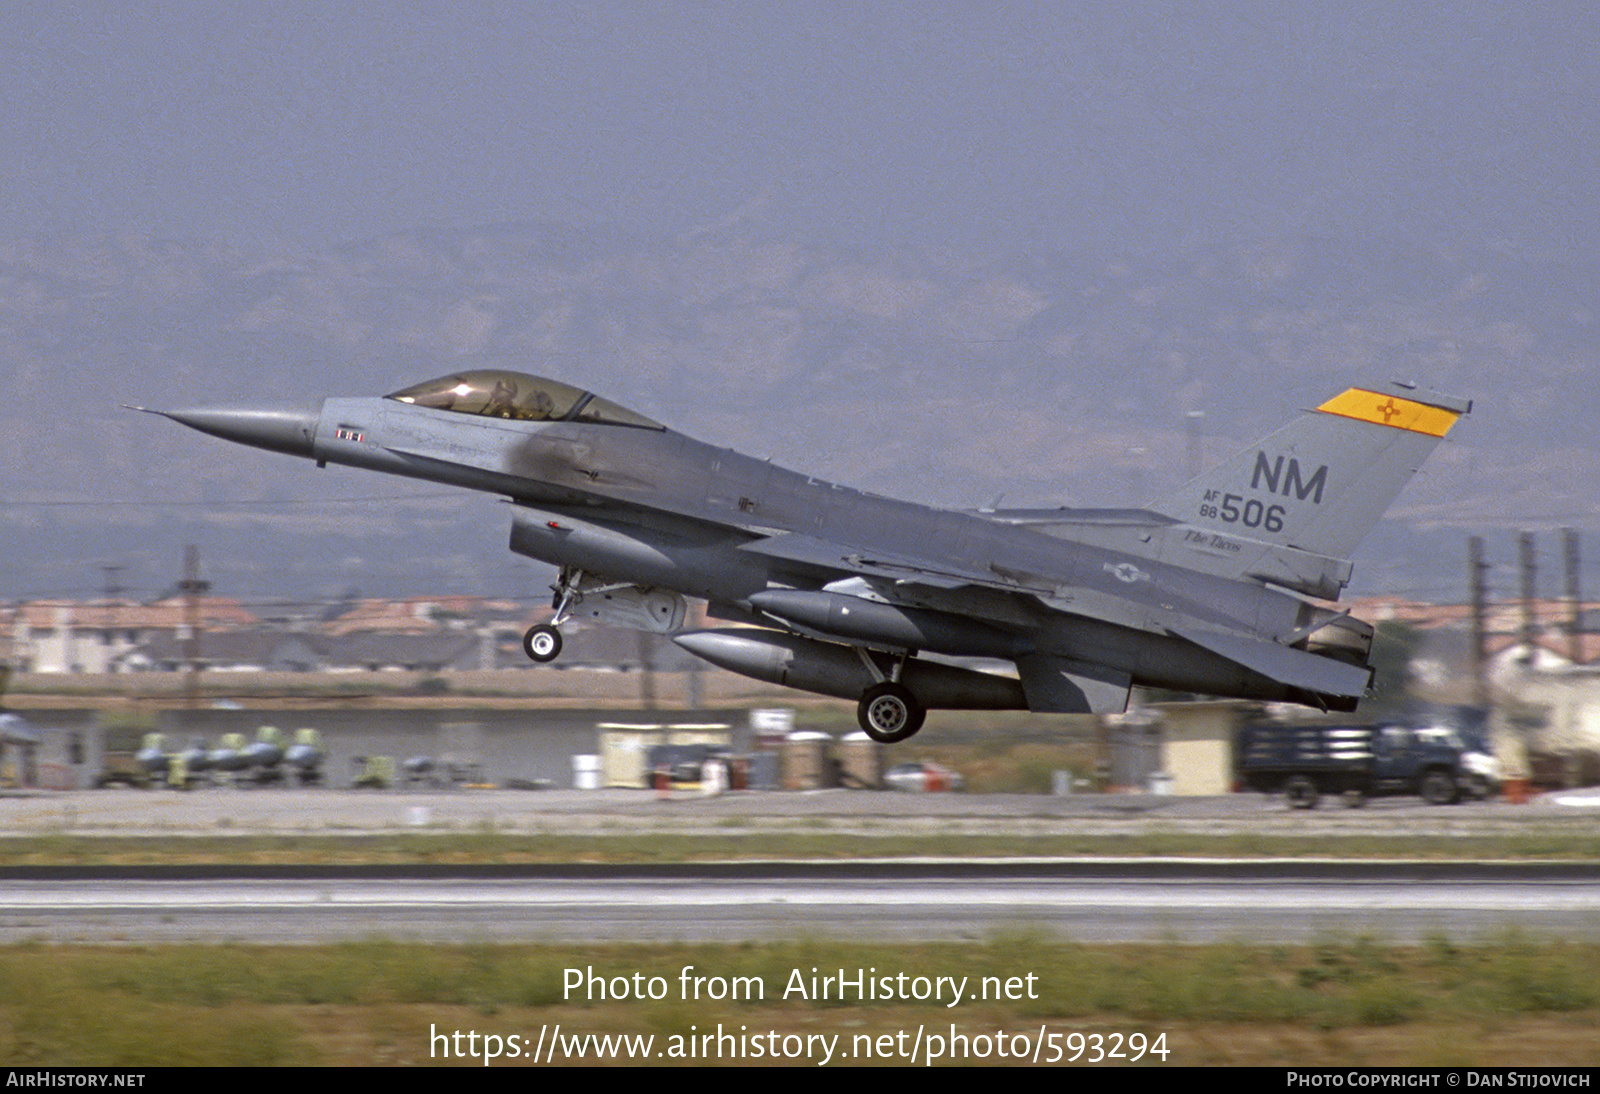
[(1210, 591)]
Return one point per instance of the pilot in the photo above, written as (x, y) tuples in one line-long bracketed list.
[(541, 407), (501, 400)]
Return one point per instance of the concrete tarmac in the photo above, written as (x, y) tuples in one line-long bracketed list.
[(1130, 900)]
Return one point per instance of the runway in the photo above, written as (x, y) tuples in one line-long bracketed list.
[(1137, 901)]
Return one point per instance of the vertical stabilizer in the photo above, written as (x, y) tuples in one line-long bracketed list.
[(1322, 482)]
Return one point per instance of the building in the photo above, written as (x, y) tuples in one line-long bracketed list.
[(67, 636)]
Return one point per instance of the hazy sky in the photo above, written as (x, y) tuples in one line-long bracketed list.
[(1019, 123), (965, 125)]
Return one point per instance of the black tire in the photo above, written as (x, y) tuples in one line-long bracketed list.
[(1301, 793), (542, 643), (1438, 788), (888, 712)]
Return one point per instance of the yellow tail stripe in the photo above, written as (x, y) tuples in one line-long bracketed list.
[(1389, 410)]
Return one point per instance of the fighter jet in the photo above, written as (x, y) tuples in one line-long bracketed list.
[(1213, 590)]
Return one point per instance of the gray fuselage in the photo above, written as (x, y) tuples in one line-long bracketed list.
[(654, 507)]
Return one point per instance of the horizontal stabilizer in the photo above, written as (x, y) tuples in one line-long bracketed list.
[(1289, 666), (1061, 686)]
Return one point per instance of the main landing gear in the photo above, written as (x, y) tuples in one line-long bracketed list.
[(888, 711)]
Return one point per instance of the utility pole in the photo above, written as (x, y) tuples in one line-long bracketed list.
[(1478, 568), (1530, 625), (108, 621), (192, 588), (1192, 420), (1569, 543), (8, 652), (647, 670)]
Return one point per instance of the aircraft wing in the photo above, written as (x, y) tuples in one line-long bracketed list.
[(809, 550), (1056, 684), (1114, 600)]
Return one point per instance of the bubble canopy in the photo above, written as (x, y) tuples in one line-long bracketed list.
[(499, 393)]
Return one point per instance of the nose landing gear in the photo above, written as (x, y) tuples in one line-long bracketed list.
[(542, 643)]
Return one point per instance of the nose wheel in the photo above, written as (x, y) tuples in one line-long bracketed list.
[(888, 712), (542, 643)]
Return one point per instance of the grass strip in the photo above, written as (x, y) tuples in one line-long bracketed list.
[(751, 843), (1507, 1000)]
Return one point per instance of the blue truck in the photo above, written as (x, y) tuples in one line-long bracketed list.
[(1304, 762)]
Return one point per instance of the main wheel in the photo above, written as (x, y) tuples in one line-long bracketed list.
[(1301, 793), (888, 712), (542, 643), (1438, 788)]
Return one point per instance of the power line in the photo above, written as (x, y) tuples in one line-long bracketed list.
[(224, 506)]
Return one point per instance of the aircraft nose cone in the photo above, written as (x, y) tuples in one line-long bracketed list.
[(289, 429)]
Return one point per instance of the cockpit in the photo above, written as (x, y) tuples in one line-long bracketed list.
[(499, 393)]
